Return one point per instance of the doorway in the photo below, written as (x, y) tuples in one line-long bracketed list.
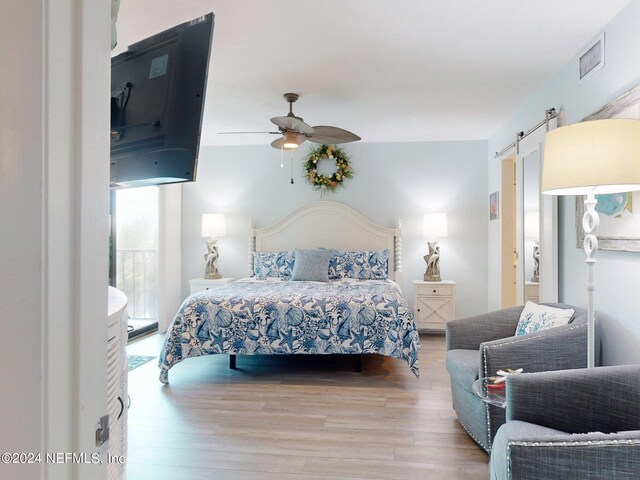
[(509, 255)]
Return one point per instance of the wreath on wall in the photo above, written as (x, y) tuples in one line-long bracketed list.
[(324, 182)]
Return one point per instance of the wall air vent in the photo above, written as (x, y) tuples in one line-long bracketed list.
[(591, 59)]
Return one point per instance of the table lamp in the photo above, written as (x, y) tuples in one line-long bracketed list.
[(214, 227), (591, 158), (434, 227)]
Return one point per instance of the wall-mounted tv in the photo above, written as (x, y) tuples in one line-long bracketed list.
[(157, 98)]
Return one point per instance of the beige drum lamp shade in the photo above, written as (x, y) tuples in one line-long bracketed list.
[(599, 156)]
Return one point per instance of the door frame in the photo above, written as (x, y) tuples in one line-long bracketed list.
[(75, 117)]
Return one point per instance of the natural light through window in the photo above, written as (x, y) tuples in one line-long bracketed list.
[(136, 250)]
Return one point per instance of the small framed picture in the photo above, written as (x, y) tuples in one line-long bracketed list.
[(494, 207)]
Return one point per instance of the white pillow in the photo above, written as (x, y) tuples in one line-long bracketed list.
[(536, 317)]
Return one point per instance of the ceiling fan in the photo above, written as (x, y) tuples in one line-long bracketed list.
[(295, 132)]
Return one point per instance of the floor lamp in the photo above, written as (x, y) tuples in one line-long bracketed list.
[(592, 158)]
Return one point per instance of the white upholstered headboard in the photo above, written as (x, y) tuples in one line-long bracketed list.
[(329, 225)]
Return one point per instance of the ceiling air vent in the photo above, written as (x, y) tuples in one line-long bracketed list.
[(591, 59)]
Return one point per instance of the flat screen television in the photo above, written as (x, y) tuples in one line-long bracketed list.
[(157, 98)]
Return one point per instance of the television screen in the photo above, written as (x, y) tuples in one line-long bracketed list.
[(157, 98)]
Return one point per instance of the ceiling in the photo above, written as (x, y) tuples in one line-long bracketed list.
[(389, 71)]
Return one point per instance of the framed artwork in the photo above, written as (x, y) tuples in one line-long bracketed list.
[(619, 213), (494, 206)]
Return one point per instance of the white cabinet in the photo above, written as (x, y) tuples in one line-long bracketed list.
[(117, 386), (201, 284), (434, 304)]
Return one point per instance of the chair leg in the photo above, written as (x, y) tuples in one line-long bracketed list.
[(232, 361), (358, 365)]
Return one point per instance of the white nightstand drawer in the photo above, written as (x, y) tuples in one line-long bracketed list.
[(197, 285), (435, 290)]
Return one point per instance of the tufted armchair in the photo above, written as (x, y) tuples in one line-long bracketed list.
[(480, 346), (581, 423)]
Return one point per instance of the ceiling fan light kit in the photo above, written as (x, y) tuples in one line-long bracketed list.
[(294, 131), (290, 140)]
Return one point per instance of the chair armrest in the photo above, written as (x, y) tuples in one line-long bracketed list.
[(602, 399), (469, 333), (587, 457)]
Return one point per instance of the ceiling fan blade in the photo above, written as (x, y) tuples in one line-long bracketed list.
[(293, 124), (234, 133), (279, 143), (332, 135)]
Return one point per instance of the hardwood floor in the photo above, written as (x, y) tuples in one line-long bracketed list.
[(297, 418)]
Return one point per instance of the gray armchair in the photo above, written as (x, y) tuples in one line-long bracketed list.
[(480, 346), (550, 415)]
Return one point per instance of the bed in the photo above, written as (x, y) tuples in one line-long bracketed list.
[(360, 310)]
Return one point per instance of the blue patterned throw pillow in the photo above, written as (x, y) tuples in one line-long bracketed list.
[(273, 265), (361, 265), (536, 317)]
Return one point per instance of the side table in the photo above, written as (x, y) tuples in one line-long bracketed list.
[(489, 392), (434, 304)]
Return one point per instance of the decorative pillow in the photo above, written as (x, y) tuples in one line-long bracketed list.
[(536, 317), (273, 265), (312, 265), (361, 265)]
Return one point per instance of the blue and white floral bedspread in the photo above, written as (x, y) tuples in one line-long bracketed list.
[(258, 317)]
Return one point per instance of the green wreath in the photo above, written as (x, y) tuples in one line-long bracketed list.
[(323, 182)]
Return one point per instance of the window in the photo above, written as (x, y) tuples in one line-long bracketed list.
[(136, 253)]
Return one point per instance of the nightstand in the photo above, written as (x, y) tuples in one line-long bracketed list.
[(434, 303), (201, 284), (531, 292)]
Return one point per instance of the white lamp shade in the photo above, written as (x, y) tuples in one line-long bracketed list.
[(599, 156), (434, 225), (213, 225), (532, 224)]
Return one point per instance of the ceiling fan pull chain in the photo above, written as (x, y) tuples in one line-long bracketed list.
[(291, 168), (281, 157)]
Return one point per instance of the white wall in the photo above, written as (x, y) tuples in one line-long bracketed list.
[(391, 182), (617, 273), (169, 253), (21, 147), (54, 181)]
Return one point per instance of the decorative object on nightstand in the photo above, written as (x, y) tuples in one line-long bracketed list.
[(590, 158), (434, 303), (434, 227), (214, 227), (532, 231), (197, 285)]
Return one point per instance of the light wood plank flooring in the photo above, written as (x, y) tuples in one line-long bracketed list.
[(297, 418)]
